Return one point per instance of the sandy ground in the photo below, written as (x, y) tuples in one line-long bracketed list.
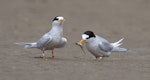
[(28, 20)]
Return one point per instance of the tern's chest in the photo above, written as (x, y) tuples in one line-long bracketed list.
[(92, 46), (56, 40)]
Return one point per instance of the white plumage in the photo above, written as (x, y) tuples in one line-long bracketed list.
[(50, 40), (99, 46)]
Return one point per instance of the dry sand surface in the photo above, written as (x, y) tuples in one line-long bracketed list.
[(28, 20)]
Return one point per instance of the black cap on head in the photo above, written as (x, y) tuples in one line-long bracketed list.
[(89, 33), (56, 18)]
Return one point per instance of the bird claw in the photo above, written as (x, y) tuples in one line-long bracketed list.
[(45, 58), (99, 58)]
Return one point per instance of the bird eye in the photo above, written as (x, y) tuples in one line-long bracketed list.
[(88, 38)]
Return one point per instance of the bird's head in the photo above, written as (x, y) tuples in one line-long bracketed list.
[(86, 36), (58, 19)]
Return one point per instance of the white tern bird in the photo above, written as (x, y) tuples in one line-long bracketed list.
[(50, 40), (99, 46)]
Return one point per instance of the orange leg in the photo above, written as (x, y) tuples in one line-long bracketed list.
[(43, 55), (53, 54)]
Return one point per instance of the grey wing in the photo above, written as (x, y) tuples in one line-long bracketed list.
[(44, 40), (105, 46)]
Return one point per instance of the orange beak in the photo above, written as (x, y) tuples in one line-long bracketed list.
[(62, 20), (82, 41)]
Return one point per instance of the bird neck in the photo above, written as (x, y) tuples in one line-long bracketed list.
[(57, 30), (91, 40)]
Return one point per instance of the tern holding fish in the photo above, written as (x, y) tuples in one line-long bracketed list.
[(99, 46)]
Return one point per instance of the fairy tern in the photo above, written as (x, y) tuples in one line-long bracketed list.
[(98, 46), (50, 40)]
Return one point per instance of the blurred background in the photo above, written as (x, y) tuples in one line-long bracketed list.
[(112, 19), (28, 20)]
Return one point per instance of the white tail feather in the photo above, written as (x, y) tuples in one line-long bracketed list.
[(116, 46), (27, 45)]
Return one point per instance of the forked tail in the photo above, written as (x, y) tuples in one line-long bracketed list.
[(116, 45), (27, 45)]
